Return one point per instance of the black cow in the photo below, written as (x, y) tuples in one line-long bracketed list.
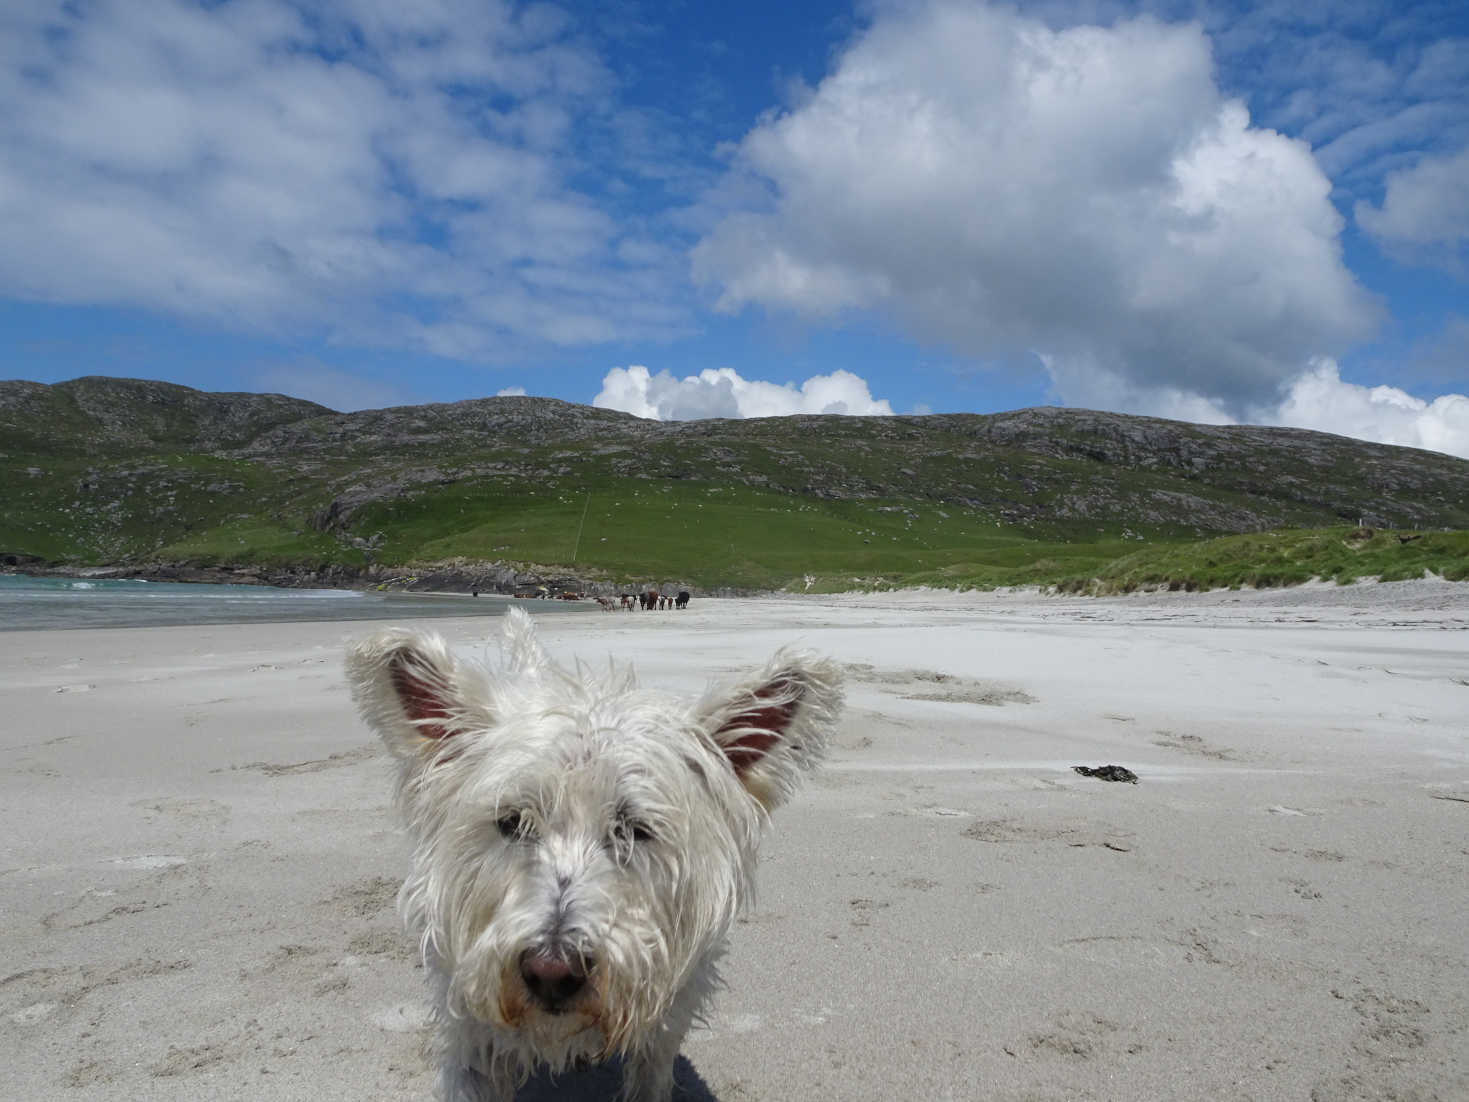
[(683, 599)]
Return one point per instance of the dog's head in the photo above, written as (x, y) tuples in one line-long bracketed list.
[(582, 844)]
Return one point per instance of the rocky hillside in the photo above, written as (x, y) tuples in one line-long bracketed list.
[(100, 469), (111, 417)]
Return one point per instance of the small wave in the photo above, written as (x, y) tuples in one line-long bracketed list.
[(265, 593)]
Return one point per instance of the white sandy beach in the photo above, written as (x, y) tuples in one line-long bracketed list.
[(200, 859)]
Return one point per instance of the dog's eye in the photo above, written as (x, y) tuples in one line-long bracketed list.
[(627, 831), (513, 825)]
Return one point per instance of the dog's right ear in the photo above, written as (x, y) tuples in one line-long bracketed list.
[(408, 688), (773, 726)]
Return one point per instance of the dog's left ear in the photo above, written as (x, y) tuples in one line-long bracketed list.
[(409, 689), (523, 651), (773, 726)]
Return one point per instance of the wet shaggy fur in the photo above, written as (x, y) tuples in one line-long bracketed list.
[(581, 844)]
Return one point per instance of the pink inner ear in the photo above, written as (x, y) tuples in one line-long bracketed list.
[(419, 699), (746, 751)]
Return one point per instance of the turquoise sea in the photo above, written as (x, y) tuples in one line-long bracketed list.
[(33, 604)]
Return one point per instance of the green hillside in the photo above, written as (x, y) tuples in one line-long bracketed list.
[(148, 475)]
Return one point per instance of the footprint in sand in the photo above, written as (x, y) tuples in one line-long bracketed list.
[(1077, 1035), (1073, 833), (316, 765), (932, 685), (149, 861), (1302, 888), (94, 908), (36, 1012), (918, 884), (375, 943), (402, 1017), (366, 897), (1378, 1064), (864, 908), (64, 989), (991, 696), (188, 1059), (1192, 744), (184, 807)]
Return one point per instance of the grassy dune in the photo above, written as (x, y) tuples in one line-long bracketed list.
[(733, 536), (1282, 558), (710, 535), (715, 536)]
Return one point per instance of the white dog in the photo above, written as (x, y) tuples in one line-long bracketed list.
[(582, 845)]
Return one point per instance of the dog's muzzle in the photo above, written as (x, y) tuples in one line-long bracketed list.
[(554, 979)]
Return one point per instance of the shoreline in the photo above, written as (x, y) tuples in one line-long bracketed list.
[(1427, 601), (332, 576), (200, 861), (491, 579), (97, 604)]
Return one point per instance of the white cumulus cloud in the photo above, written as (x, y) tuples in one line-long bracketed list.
[(1084, 194), (722, 392), (1320, 399)]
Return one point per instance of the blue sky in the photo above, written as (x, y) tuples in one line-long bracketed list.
[(1218, 212)]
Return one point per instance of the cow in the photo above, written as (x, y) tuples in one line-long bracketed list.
[(683, 599)]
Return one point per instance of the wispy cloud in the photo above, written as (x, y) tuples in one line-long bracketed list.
[(1424, 215), (376, 174), (1357, 80), (328, 386)]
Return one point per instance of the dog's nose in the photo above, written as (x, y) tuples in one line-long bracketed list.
[(553, 980)]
